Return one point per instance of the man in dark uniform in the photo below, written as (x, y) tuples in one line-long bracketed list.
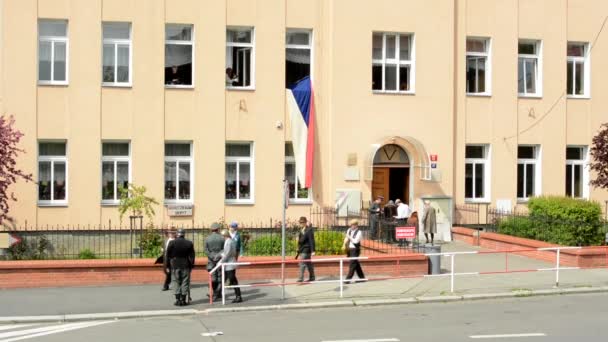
[(374, 213), (181, 256), (166, 265), (306, 249), (214, 245)]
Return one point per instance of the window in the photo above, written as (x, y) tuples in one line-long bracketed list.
[(393, 62), (528, 175), (529, 68), (239, 173), (179, 43), (478, 66), (477, 172), (578, 70), (116, 69), (52, 51), (52, 173), (115, 171), (178, 172), (298, 56), (577, 177), (240, 57), (297, 193)]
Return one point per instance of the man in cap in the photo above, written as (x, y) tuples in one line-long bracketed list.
[(228, 257), (374, 213), (181, 257), (166, 265), (236, 238), (306, 249), (214, 244), (352, 243)]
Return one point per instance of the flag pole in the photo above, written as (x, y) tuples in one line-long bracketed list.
[(284, 204)]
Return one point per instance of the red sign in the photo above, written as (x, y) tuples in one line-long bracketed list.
[(433, 157), (405, 232)]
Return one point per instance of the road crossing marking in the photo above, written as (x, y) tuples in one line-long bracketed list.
[(368, 340), (14, 326), (211, 334), (509, 335), (18, 335)]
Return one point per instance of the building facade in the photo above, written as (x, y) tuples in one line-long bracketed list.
[(459, 101)]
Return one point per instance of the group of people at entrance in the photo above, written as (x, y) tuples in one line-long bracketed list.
[(179, 255), (306, 249), (398, 213)]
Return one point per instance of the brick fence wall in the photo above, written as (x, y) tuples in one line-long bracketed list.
[(61, 273), (587, 257)]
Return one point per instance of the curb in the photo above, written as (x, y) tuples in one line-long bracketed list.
[(301, 306)]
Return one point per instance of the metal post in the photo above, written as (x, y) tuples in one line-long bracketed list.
[(285, 188), (341, 278), (452, 274), (223, 289), (210, 290), (557, 269)]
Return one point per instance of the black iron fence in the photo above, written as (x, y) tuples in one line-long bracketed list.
[(262, 238)]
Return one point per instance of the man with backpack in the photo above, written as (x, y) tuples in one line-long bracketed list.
[(352, 243)]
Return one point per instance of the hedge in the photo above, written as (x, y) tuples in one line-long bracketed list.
[(560, 220), (326, 243)]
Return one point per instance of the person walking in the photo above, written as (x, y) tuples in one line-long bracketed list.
[(236, 237), (166, 265), (181, 255), (352, 242), (229, 256), (214, 244), (306, 249), (430, 221)]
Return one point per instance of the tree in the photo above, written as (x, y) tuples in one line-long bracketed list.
[(599, 153), (9, 172), (135, 200)]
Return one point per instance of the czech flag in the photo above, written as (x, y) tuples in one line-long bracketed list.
[(301, 107)]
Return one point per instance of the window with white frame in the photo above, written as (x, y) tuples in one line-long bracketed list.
[(528, 174), (297, 193), (239, 172), (52, 51), (298, 55), (578, 69), (240, 57), (529, 68), (179, 55), (478, 65), (477, 167), (393, 62), (52, 173), (116, 69), (115, 170), (577, 176), (178, 172)]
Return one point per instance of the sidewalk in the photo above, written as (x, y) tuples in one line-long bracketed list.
[(85, 300)]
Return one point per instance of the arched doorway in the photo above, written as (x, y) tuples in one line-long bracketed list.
[(391, 173)]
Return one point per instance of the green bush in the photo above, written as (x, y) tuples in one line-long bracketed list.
[(560, 220), (326, 243), (329, 243), (151, 243), (30, 249), (86, 254)]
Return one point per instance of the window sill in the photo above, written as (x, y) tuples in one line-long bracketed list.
[(578, 97), (53, 204), (393, 92), (110, 203), (477, 200), (239, 202), (251, 88), (51, 83), (176, 202), (176, 86), (117, 85), (300, 202), (523, 200), (479, 94), (530, 96)]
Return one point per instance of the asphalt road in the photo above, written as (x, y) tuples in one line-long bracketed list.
[(552, 318)]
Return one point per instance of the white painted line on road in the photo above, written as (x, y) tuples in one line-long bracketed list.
[(373, 340), (31, 333), (211, 334), (13, 326), (509, 335)]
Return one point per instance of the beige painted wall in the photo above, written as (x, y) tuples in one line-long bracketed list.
[(350, 117)]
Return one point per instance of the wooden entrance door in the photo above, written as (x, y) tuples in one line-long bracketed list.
[(380, 183)]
